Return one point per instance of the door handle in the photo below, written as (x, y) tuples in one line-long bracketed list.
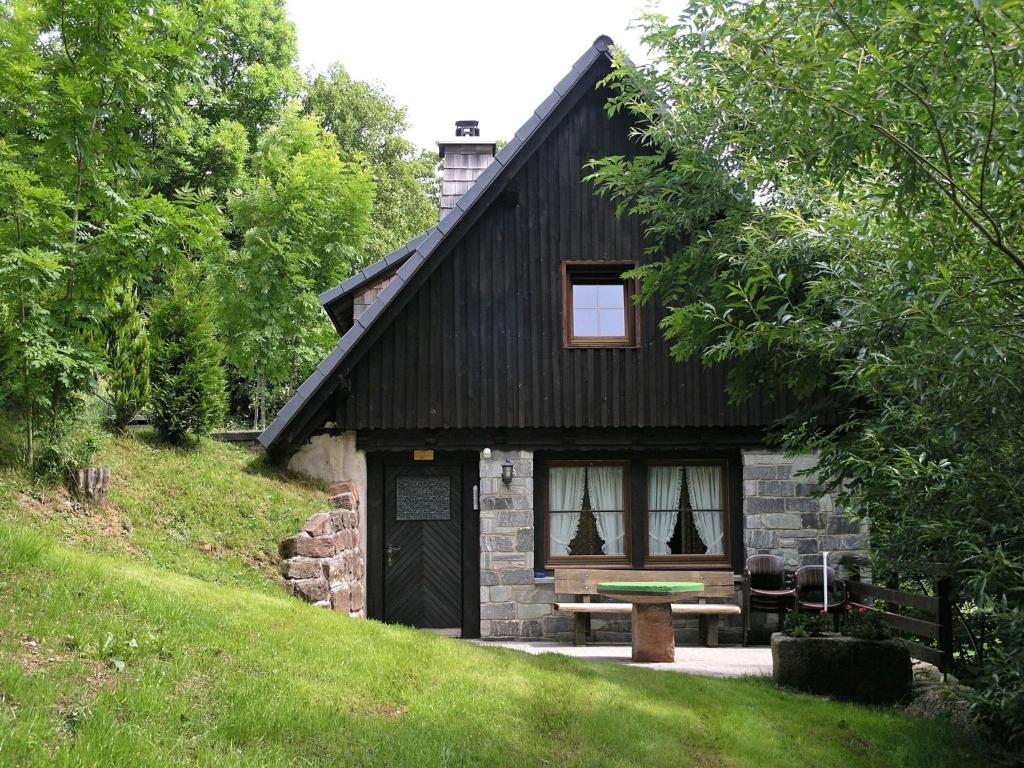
[(391, 550)]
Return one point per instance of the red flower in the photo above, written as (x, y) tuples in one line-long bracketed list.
[(863, 610)]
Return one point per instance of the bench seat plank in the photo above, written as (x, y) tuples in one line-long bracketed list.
[(689, 609)]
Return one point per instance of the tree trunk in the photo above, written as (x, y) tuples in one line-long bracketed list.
[(91, 485)]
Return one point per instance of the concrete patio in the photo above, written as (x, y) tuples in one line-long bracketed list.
[(723, 661)]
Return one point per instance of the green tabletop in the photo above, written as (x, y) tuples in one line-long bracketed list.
[(650, 587)]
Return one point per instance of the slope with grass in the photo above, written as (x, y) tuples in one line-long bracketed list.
[(113, 652)]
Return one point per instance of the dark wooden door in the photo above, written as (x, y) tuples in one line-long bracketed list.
[(423, 546)]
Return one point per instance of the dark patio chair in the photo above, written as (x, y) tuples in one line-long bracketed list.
[(765, 589), (809, 592)]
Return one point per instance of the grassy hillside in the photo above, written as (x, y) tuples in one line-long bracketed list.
[(113, 652), (214, 511)]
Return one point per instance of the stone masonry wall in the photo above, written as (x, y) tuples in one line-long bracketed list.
[(323, 563), (783, 514)]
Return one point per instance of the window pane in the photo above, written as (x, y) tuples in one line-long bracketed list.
[(585, 322), (584, 296), (684, 510), (611, 296), (586, 506), (611, 322)]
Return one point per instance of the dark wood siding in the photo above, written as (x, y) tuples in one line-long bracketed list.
[(480, 344)]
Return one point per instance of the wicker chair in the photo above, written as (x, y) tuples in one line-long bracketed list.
[(765, 589), (809, 594)]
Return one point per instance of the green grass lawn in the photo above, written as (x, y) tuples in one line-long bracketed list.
[(128, 649)]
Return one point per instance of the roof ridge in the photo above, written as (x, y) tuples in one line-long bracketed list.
[(421, 248)]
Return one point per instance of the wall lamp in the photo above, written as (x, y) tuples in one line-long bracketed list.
[(507, 472)]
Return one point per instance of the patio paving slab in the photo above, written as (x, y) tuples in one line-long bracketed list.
[(723, 661)]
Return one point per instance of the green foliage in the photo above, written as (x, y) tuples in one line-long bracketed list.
[(838, 185), (303, 216), (865, 623), (188, 381), (68, 446), (799, 624), (367, 123), (127, 356)]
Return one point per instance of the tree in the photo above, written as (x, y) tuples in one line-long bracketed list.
[(302, 218), (127, 355), (837, 185), (367, 123), (188, 384)]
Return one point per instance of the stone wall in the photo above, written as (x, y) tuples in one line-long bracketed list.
[(323, 563), (334, 458), (784, 515), (510, 604), (781, 511)]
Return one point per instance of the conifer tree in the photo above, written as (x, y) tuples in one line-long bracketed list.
[(188, 395), (127, 355)]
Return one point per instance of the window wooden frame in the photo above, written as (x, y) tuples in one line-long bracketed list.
[(607, 273), (636, 485), (622, 560), (717, 561)]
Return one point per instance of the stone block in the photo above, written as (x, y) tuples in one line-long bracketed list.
[(500, 594), (846, 668), (837, 524), (752, 521), (493, 611), (844, 542), (485, 629), (764, 457), (523, 502), (806, 546), (782, 520), (524, 540), (301, 568), (341, 598), (344, 500), (556, 623), (319, 524), (310, 590), (489, 503), (811, 520), (756, 505), (759, 538), (496, 543), (530, 629), (804, 462), (749, 488), (809, 489), (358, 595), (776, 488), (337, 568), (826, 503), (485, 594), (766, 472), (304, 545), (488, 578), (516, 576), (802, 505), (534, 610), (515, 519), (539, 594)]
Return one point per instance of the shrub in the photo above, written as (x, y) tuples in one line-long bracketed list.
[(865, 624), (127, 343), (188, 382), (805, 624), (68, 447)]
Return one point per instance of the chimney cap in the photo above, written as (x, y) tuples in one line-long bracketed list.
[(467, 127), (467, 132)]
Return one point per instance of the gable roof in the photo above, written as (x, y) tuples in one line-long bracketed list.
[(411, 257)]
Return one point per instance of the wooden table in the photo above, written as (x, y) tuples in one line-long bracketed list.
[(653, 639)]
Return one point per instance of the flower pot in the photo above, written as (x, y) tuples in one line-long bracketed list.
[(847, 668)]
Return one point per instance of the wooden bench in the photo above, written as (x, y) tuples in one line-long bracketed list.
[(582, 582)]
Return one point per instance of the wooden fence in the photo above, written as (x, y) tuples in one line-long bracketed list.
[(936, 626)]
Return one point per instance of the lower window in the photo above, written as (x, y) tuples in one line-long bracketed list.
[(682, 520)]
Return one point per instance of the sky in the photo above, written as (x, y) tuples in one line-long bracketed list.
[(447, 61)]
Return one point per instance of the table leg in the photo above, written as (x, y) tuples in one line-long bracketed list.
[(652, 632)]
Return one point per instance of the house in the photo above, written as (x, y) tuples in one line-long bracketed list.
[(504, 408)]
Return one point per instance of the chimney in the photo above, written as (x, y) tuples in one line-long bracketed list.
[(464, 158)]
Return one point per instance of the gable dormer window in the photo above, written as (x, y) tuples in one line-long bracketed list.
[(598, 304)]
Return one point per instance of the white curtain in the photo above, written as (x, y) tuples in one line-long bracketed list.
[(565, 494), (705, 487), (605, 484), (663, 484)]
